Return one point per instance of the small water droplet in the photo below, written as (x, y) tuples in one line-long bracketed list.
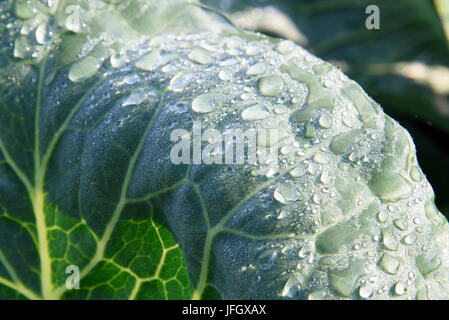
[(134, 98)]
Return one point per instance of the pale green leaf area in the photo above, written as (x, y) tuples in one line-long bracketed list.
[(90, 93)]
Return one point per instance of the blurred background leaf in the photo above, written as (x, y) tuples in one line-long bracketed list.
[(404, 65)]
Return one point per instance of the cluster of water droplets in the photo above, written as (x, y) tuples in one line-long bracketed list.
[(364, 224)]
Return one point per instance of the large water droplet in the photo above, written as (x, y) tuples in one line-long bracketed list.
[(256, 69), (41, 33), (180, 81), (321, 158), (200, 56), (267, 259), (154, 60), (365, 291), (255, 112), (286, 193), (292, 286), (271, 85), (325, 121), (203, 103), (298, 172), (84, 69)]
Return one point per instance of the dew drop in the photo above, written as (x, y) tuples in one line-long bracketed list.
[(200, 56), (325, 121), (400, 288), (365, 292), (180, 81), (415, 174), (20, 48), (255, 112), (225, 75), (267, 259), (291, 287), (410, 239), (326, 178), (253, 50), (131, 79), (286, 193), (304, 252), (41, 33), (285, 46), (134, 98), (321, 158), (154, 60), (258, 68), (298, 172), (271, 85), (84, 69), (203, 103)]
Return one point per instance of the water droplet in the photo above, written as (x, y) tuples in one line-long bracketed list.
[(410, 239), (326, 178), (321, 158), (177, 107), (401, 224), (228, 62), (286, 193), (298, 172), (325, 121), (155, 59), (267, 258), (203, 103), (225, 75), (130, 79), (415, 174), (41, 33), (389, 240), (84, 69), (389, 264), (258, 68), (365, 292), (255, 112), (180, 81), (285, 46), (200, 56), (292, 286), (400, 288), (253, 50), (20, 48), (134, 98), (271, 85), (280, 109), (304, 252), (118, 61)]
